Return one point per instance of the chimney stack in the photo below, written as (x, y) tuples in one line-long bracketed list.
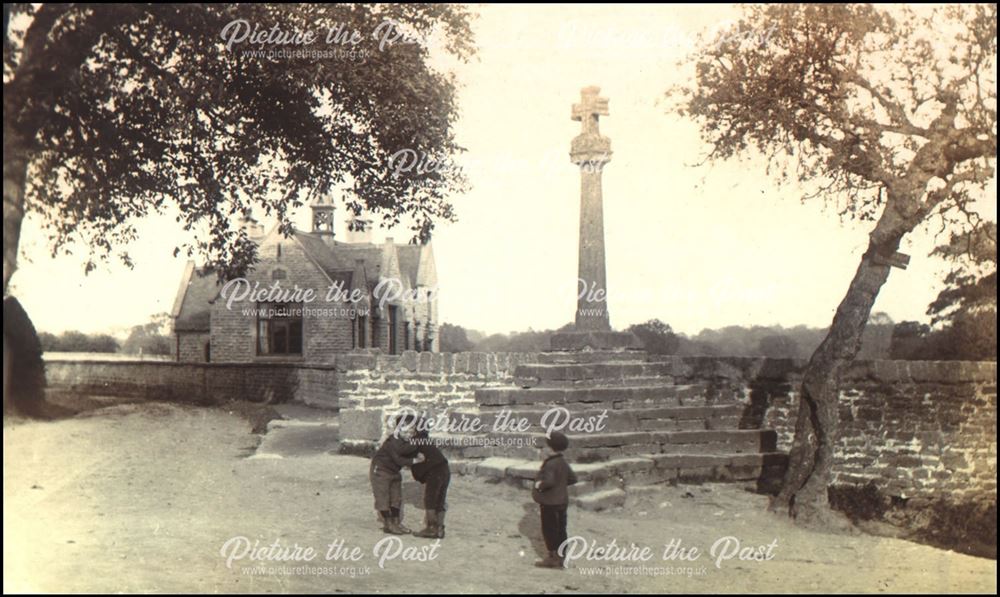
[(362, 230), (253, 228)]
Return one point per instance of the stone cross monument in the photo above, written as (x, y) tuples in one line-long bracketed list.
[(591, 151)]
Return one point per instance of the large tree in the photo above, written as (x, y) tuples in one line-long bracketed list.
[(113, 112), (887, 113)]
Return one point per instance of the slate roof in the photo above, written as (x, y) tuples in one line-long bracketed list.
[(193, 315), (338, 257), (329, 259), (409, 261), (338, 261)]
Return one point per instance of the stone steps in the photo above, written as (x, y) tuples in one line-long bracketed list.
[(593, 447), (646, 380), (653, 431), (630, 426), (301, 431), (660, 394), (604, 484), (608, 372), (656, 418), (591, 356)]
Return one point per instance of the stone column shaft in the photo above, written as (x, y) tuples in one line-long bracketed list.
[(591, 306)]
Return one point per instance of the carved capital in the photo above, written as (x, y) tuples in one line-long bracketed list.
[(590, 149)]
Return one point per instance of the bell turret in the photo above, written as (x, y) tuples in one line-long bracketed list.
[(322, 215)]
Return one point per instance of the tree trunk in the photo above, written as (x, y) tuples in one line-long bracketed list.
[(804, 491), (15, 170), (24, 355), (801, 458), (24, 369)]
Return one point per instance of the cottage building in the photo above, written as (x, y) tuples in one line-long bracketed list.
[(364, 295)]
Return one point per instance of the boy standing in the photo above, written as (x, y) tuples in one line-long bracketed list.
[(435, 474), (552, 496), (384, 473)]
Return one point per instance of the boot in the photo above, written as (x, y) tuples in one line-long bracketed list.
[(430, 530), (390, 526), (398, 523), (559, 561), (440, 524), (550, 561)]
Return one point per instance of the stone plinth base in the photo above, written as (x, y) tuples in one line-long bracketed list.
[(595, 341)]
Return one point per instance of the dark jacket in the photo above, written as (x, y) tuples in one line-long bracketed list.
[(434, 462), (555, 476), (394, 454)]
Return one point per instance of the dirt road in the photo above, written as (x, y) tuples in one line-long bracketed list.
[(144, 498)]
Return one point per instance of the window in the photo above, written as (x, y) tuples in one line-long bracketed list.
[(279, 329), (362, 324), (393, 329)]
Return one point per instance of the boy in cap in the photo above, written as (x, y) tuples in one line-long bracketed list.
[(384, 473), (552, 496)]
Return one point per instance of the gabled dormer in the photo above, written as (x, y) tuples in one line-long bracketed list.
[(390, 279), (427, 270)]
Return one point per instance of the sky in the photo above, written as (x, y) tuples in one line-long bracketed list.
[(696, 246)]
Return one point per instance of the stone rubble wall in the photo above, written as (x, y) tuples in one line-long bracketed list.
[(912, 428)]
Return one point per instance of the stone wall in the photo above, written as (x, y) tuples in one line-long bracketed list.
[(373, 387), (196, 383), (911, 428)]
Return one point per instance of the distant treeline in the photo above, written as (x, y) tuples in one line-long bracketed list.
[(152, 338), (972, 337), (74, 341), (883, 339)]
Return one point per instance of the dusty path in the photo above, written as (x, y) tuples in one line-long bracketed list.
[(142, 498)]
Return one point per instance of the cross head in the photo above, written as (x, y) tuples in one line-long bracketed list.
[(590, 108)]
